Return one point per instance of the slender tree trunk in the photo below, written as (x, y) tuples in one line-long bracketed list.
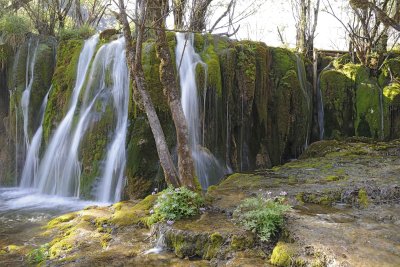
[(301, 30), (134, 55), (179, 12), (168, 79), (198, 16)]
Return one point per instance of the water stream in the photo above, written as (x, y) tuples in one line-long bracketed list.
[(112, 180), (320, 105), (208, 169), (26, 95), (301, 74), (51, 167), (29, 176)]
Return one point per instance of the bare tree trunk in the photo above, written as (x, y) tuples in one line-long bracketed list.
[(198, 16), (301, 29), (168, 79), (179, 12), (134, 56)]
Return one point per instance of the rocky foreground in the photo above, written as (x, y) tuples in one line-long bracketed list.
[(346, 212)]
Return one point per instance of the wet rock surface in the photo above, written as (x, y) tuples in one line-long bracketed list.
[(346, 212)]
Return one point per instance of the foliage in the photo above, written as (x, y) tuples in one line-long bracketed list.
[(13, 29), (261, 215), (175, 204), (38, 255), (83, 32)]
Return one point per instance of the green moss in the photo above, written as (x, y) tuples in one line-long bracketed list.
[(62, 219), (105, 239), (283, 61), (363, 198), (325, 198), (178, 244), (143, 170), (368, 120), (282, 255), (125, 215), (93, 147), (214, 245), (338, 91), (241, 242), (151, 66), (211, 59), (333, 178), (63, 83)]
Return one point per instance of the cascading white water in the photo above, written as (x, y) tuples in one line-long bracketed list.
[(95, 87), (112, 180), (30, 68), (320, 105), (105, 81), (208, 169), (303, 85), (50, 170), (29, 176)]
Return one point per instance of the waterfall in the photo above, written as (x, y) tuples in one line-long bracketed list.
[(303, 85), (99, 83), (51, 167), (112, 180), (320, 105), (29, 176), (30, 68), (208, 169)]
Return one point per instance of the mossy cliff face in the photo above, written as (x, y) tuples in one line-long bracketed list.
[(63, 84), (255, 107), (357, 103), (13, 83), (6, 151), (260, 90)]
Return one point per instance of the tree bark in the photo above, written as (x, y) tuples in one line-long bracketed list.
[(302, 26), (134, 56), (198, 16), (168, 80), (179, 12)]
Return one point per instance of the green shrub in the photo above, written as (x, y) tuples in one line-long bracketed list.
[(263, 216), (175, 204), (38, 255), (84, 32), (13, 29)]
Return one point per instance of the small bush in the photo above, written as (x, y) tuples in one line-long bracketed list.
[(84, 32), (175, 204), (13, 29), (38, 255), (263, 216)]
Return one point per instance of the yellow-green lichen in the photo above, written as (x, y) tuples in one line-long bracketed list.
[(282, 255)]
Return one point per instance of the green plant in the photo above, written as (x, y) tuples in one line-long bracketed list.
[(175, 204), (13, 29), (38, 255), (83, 32), (261, 215)]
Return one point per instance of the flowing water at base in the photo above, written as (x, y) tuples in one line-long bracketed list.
[(24, 211)]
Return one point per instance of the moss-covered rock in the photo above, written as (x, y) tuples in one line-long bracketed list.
[(338, 92), (63, 84)]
